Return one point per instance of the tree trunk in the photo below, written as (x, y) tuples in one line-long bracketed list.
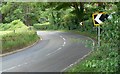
[(101, 4), (82, 10), (79, 8), (77, 11), (53, 18)]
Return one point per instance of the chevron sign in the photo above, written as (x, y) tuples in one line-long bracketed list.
[(99, 18)]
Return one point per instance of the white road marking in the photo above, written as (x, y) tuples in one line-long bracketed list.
[(75, 62), (13, 67), (54, 51), (41, 39), (79, 58), (9, 68), (19, 65), (92, 41), (64, 43), (58, 48), (64, 39)]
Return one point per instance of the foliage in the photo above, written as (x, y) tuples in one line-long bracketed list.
[(14, 25), (29, 13), (106, 57), (14, 41), (16, 35), (43, 26), (65, 16), (70, 21)]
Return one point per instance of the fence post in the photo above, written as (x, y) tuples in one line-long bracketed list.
[(14, 31)]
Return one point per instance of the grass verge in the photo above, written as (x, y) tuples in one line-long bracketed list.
[(16, 35), (14, 41), (103, 60)]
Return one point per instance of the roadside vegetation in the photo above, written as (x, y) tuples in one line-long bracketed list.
[(66, 17), (106, 57), (16, 35)]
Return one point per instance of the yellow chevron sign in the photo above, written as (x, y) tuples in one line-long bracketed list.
[(99, 18)]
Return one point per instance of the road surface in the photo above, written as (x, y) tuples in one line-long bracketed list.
[(53, 53)]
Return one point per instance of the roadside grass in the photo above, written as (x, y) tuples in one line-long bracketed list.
[(97, 61), (103, 59), (16, 35), (14, 41), (4, 32)]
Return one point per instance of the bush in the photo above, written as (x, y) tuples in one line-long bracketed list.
[(88, 26), (70, 22), (14, 25), (106, 57), (43, 26)]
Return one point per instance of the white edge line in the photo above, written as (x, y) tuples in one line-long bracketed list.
[(75, 62), (54, 51), (13, 67), (80, 58), (9, 68)]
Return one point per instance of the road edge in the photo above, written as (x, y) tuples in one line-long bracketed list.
[(63, 70)]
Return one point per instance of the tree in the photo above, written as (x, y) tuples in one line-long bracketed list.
[(78, 8), (29, 12)]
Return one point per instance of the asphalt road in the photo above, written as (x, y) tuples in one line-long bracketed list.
[(54, 53)]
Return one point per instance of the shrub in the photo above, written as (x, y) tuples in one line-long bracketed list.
[(14, 25), (70, 22), (43, 26)]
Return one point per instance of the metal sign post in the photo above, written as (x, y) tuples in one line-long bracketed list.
[(98, 19), (98, 35)]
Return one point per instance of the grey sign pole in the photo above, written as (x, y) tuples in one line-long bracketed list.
[(98, 35)]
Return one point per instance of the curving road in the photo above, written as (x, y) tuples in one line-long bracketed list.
[(54, 53)]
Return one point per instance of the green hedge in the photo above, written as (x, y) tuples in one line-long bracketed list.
[(43, 26)]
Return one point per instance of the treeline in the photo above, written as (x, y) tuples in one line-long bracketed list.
[(61, 15)]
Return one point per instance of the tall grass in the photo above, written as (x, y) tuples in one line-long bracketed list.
[(14, 41), (16, 35)]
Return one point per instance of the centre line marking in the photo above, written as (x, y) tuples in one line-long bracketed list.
[(64, 43), (19, 65), (54, 51), (59, 48), (61, 36), (64, 39)]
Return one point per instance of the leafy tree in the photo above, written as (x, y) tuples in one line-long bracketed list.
[(27, 12), (78, 7)]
